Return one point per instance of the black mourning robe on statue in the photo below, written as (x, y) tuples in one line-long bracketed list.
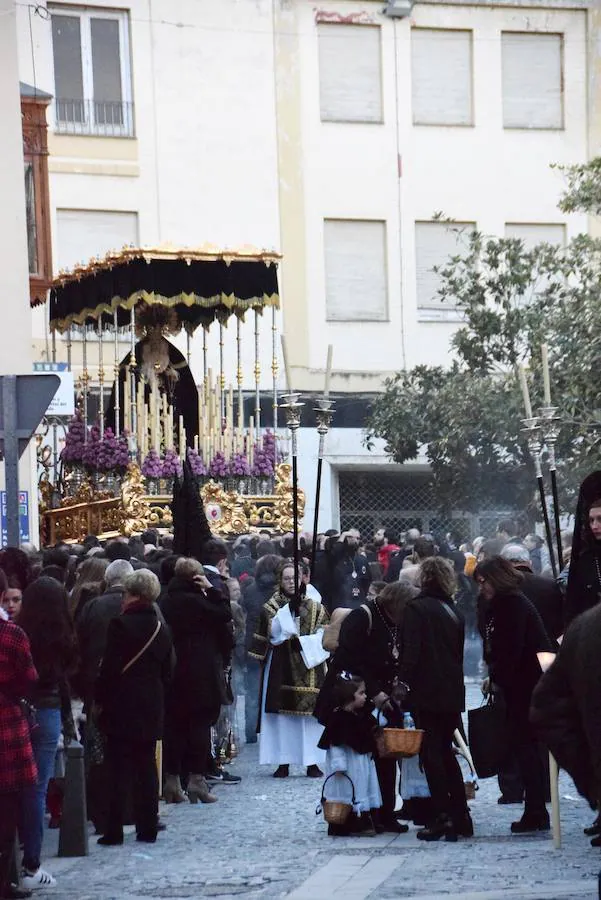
[(183, 393)]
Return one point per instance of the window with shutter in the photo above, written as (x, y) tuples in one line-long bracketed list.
[(92, 80), (532, 80), (356, 271), (441, 72), (350, 73), (435, 243), (533, 234), (83, 233)]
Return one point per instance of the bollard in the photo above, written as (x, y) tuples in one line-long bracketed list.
[(73, 836)]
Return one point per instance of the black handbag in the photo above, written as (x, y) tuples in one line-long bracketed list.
[(488, 736)]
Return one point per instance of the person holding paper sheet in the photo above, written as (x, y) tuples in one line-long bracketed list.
[(287, 642)]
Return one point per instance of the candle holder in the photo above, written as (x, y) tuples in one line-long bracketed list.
[(324, 413), (532, 430), (550, 425), (292, 411)]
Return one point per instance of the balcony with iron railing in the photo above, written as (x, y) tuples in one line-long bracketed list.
[(101, 118)]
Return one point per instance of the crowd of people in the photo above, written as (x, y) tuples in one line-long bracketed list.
[(145, 645)]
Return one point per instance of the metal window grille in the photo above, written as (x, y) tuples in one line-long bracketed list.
[(402, 500), (99, 118)]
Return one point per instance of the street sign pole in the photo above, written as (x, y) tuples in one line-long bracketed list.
[(11, 458), (23, 401)]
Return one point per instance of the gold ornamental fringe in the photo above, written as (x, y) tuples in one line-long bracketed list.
[(230, 301)]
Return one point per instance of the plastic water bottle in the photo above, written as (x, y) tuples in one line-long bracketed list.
[(408, 721)]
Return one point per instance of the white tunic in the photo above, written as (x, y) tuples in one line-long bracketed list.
[(287, 739), (361, 769)]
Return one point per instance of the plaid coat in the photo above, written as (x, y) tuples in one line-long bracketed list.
[(17, 677)]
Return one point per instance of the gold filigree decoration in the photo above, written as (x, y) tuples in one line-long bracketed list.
[(284, 506), (136, 514), (224, 509)]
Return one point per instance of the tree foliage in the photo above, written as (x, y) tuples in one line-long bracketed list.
[(467, 419), (583, 192)]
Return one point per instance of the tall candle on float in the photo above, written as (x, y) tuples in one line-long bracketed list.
[(286, 365), (140, 415), (251, 439), (525, 391), (126, 401), (182, 438), (326, 390), (546, 375), (157, 414)]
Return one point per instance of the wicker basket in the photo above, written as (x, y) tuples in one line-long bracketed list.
[(335, 812), (398, 743)]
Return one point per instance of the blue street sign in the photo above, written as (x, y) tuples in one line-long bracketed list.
[(23, 518)]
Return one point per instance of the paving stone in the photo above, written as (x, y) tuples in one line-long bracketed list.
[(263, 841)]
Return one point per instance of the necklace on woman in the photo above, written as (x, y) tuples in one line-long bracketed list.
[(598, 577), (393, 632)]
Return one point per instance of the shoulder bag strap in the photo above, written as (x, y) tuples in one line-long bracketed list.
[(143, 650), (451, 612), (369, 616)]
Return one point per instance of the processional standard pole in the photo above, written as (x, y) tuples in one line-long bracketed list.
[(532, 431), (324, 413), (292, 410), (550, 432)]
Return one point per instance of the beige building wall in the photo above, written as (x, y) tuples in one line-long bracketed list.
[(15, 334)]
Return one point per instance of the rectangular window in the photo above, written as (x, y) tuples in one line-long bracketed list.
[(350, 73), (435, 243), (31, 217), (441, 63), (83, 233), (356, 271), (532, 80), (533, 234), (92, 79)]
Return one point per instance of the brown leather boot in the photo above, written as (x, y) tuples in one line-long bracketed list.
[(172, 790), (198, 789)]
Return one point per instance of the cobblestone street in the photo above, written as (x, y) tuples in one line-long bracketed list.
[(263, 840)]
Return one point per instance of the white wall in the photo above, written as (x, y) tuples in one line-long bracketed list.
[(203, 164), (482, 173)]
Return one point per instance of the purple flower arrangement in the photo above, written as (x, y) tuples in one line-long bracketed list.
[(108, 448), (263, 463), (73, 450), (219, 467), (91, 451), (196, 463), (172, 466), (152, 466), (122, 452), (239, 465)]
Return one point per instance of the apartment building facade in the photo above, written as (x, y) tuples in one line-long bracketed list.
[(335, 133)]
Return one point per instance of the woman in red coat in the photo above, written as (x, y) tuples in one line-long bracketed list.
[(17, 766)]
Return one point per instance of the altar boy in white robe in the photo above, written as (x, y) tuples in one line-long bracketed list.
[(288, 644)]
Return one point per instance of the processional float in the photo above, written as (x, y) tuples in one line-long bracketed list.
[(155, 412)]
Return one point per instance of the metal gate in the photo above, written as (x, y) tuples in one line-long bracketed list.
[(402, 500)]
